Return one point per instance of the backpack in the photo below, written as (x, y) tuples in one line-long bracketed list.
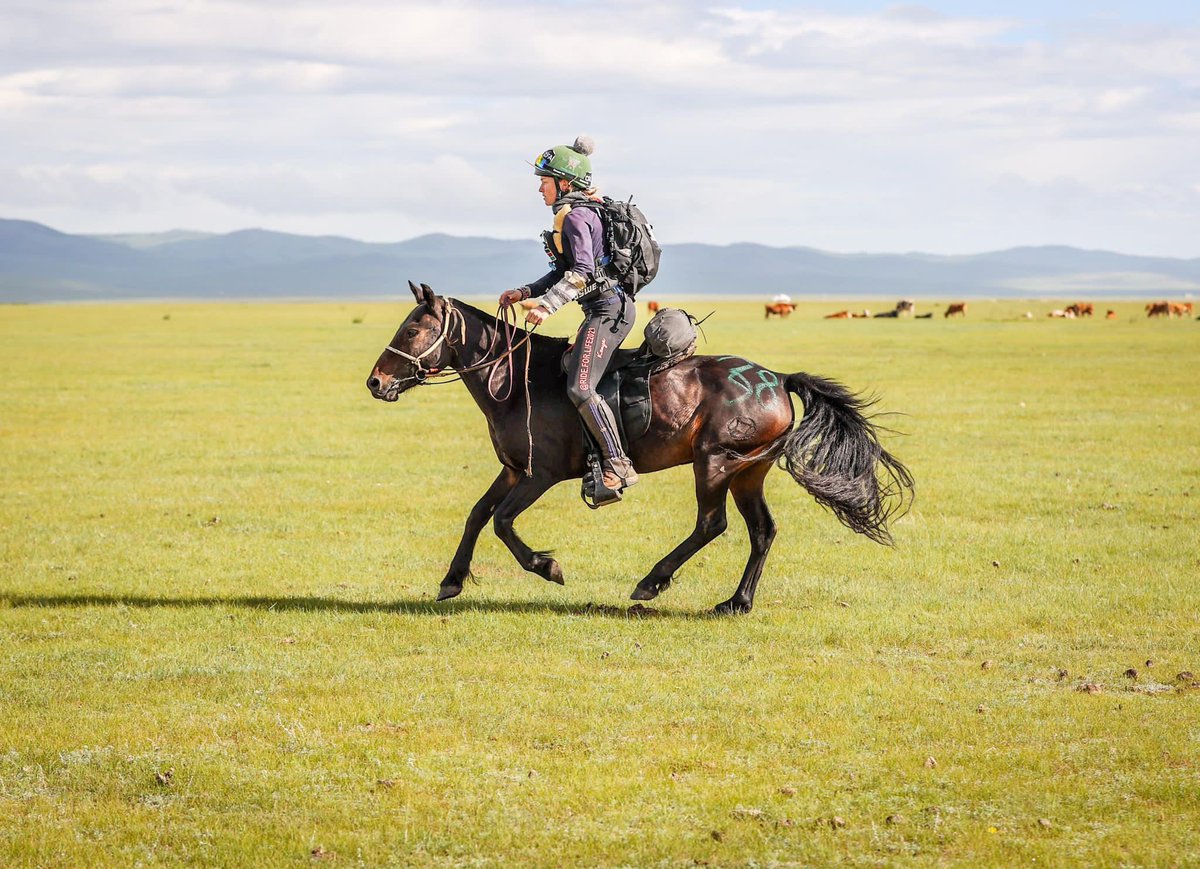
[(633, 251)]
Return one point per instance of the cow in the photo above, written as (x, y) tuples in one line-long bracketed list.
[(779, 309), (1181, 310), (652, 307), (1110, 314), (839, 315), (904, 306), (959, 308), (1158, 309), (1082, 309), (1068, 313)]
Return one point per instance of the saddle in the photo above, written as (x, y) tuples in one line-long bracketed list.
[(625, 388)]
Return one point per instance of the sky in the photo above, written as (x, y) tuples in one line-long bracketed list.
[(943, 127)]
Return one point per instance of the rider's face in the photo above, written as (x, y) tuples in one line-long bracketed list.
[(549, 189)]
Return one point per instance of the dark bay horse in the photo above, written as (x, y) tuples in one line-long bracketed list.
[(727, 416)]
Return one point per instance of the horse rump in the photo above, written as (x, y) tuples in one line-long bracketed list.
[(835, 454)]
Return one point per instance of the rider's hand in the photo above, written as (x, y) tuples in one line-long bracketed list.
[(537, 315), (510, 297)]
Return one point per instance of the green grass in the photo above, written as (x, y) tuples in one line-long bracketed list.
[(218, 557)]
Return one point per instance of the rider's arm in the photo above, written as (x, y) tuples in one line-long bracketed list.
[(545, 282)]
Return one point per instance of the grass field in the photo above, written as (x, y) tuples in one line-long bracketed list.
[(218, 643)]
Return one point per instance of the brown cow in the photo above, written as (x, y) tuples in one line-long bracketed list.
[(840, 315), (959, 308), (1110, 315), (1181, 310), (1082, 309), (1158, 309), (779, 309), (652, 307)]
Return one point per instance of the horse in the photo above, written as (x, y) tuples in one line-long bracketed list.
[(959, 308), (779, 309), (728, 417)]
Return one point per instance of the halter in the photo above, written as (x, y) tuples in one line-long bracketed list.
[(421, 373)]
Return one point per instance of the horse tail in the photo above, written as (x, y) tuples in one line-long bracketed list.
[(835, 454)]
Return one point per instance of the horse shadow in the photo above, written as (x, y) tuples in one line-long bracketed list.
[(411, 607)]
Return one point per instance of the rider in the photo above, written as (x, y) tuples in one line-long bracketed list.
[(577, 249)]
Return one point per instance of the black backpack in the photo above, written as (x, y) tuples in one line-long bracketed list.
[(633, 252)]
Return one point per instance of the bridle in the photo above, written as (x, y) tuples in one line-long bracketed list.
[(420, 373), (508, 318)]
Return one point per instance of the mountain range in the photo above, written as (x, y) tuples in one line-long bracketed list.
[(40, 264)]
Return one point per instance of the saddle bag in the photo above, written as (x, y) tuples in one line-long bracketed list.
[(671, 334)]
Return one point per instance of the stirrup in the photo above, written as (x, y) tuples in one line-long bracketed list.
[(593, 491)]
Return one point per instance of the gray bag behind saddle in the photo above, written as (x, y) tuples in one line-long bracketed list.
[(671, 333)]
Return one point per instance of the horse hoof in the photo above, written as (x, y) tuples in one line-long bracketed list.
[(649, 591), (732, 607), (448, 591), (552, 572)]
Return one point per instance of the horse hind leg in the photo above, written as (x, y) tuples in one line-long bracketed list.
[(524, 493), (747, 490), (712, 485), (485, 507)]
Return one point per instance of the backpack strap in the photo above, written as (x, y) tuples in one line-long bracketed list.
[(560, 217)]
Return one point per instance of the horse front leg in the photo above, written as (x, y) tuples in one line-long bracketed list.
[(712, 485), (460, 565), (747, 490), (523, 494)]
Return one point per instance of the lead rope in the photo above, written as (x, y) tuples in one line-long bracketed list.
[(508, 317), (528, 413)]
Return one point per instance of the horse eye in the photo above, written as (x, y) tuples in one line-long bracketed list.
[(413, 332)]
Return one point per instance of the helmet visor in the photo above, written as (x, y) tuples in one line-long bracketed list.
[(542, 163)]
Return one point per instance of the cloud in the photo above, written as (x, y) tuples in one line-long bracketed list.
[(868, 130)]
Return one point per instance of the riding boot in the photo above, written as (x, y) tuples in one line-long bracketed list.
[(618, 470)]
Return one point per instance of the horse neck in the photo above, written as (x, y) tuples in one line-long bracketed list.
[(487, 338), (480, 336)]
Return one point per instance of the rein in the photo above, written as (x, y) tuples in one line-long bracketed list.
[(508, 319)]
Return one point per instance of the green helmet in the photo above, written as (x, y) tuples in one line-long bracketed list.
[(570, 162)]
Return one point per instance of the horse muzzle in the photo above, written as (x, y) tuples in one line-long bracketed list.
[(384, 386)]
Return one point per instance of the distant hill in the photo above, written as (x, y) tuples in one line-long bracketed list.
[(39, 264)]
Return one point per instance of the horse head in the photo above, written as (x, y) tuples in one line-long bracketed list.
[(418, 349)]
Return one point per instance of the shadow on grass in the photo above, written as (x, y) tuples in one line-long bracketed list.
[(328, 604)]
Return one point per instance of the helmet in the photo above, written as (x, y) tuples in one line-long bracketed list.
[(570, 162)]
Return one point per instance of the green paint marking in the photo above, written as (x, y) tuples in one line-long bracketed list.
[(768, 380)]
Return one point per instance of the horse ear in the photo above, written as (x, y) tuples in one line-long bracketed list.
[(428, 296), (416, 291)]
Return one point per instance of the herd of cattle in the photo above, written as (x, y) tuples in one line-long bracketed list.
[(907, 307)]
